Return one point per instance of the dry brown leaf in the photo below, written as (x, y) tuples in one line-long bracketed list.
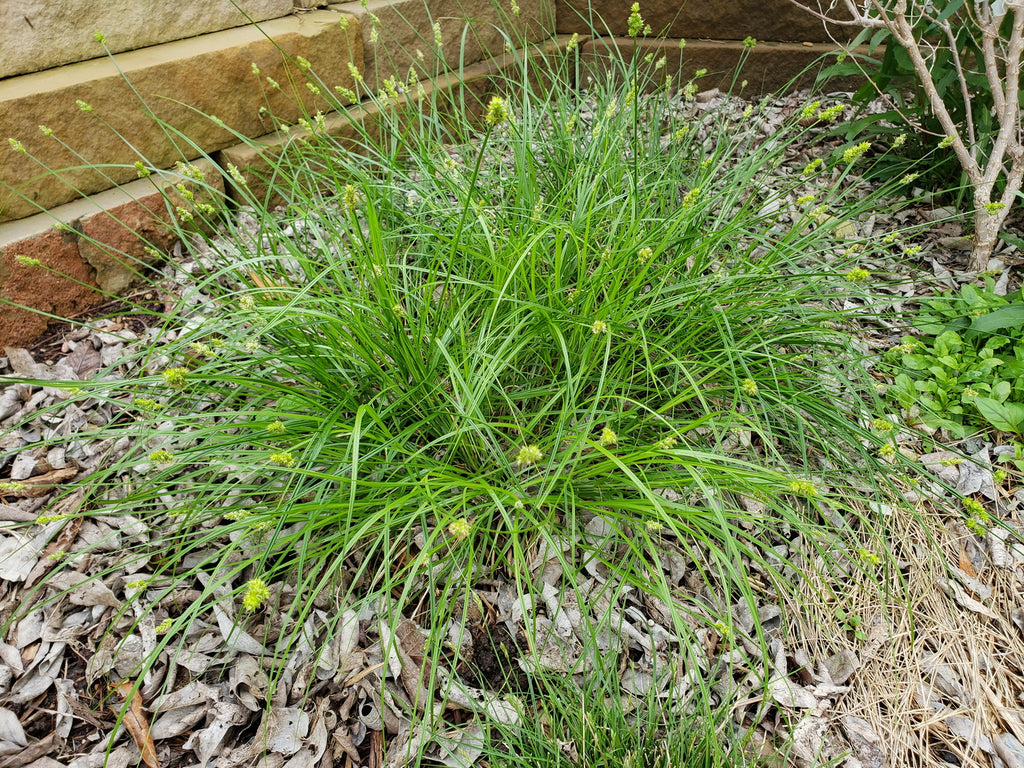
[(965, 564), (954, 590), (137, 724), (262, 282), (33, 487), (59, 546), (376, 757), (416, 673)]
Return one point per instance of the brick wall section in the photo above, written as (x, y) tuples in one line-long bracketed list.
[(179, 82)]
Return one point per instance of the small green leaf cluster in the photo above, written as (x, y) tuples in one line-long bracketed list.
[(852, 622), (967, 370)]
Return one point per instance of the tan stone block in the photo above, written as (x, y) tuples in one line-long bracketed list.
[(41, 34), (777, 20), (471, 31), (769, 68), (62, 285), (181, 82)]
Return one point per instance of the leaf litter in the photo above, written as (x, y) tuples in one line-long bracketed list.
[(930, 674)]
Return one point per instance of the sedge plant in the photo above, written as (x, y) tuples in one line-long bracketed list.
[(407, 364)]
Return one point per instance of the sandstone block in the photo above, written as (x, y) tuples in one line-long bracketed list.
[(183, 83), (41, 34), (61, 284), (471, 31), (770, 67), (776, 20)]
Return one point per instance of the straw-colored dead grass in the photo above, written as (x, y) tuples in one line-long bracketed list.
[(942, 669)]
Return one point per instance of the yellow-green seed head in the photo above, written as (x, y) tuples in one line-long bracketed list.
[(176, 377), (831, 113), (803, 488), (529, 454), (807, 113), (857, 275), (812, 167), (497, 111), (459, 529), (256, 593), (283, 459), (854, 152), (635, 21)]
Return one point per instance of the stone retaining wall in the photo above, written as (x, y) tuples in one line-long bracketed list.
[(767, 20), (197, 53), (42, 34)]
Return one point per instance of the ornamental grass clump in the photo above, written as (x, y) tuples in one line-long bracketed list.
[(411, 364)]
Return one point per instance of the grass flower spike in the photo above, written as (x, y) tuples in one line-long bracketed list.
[(350, 198), (459, 529), (854, 152), (283, 459), (176, 377), (857, 275), (161, 457), (528, 455), (804, 488), (497, 111), (256, 593), (635, 21)]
